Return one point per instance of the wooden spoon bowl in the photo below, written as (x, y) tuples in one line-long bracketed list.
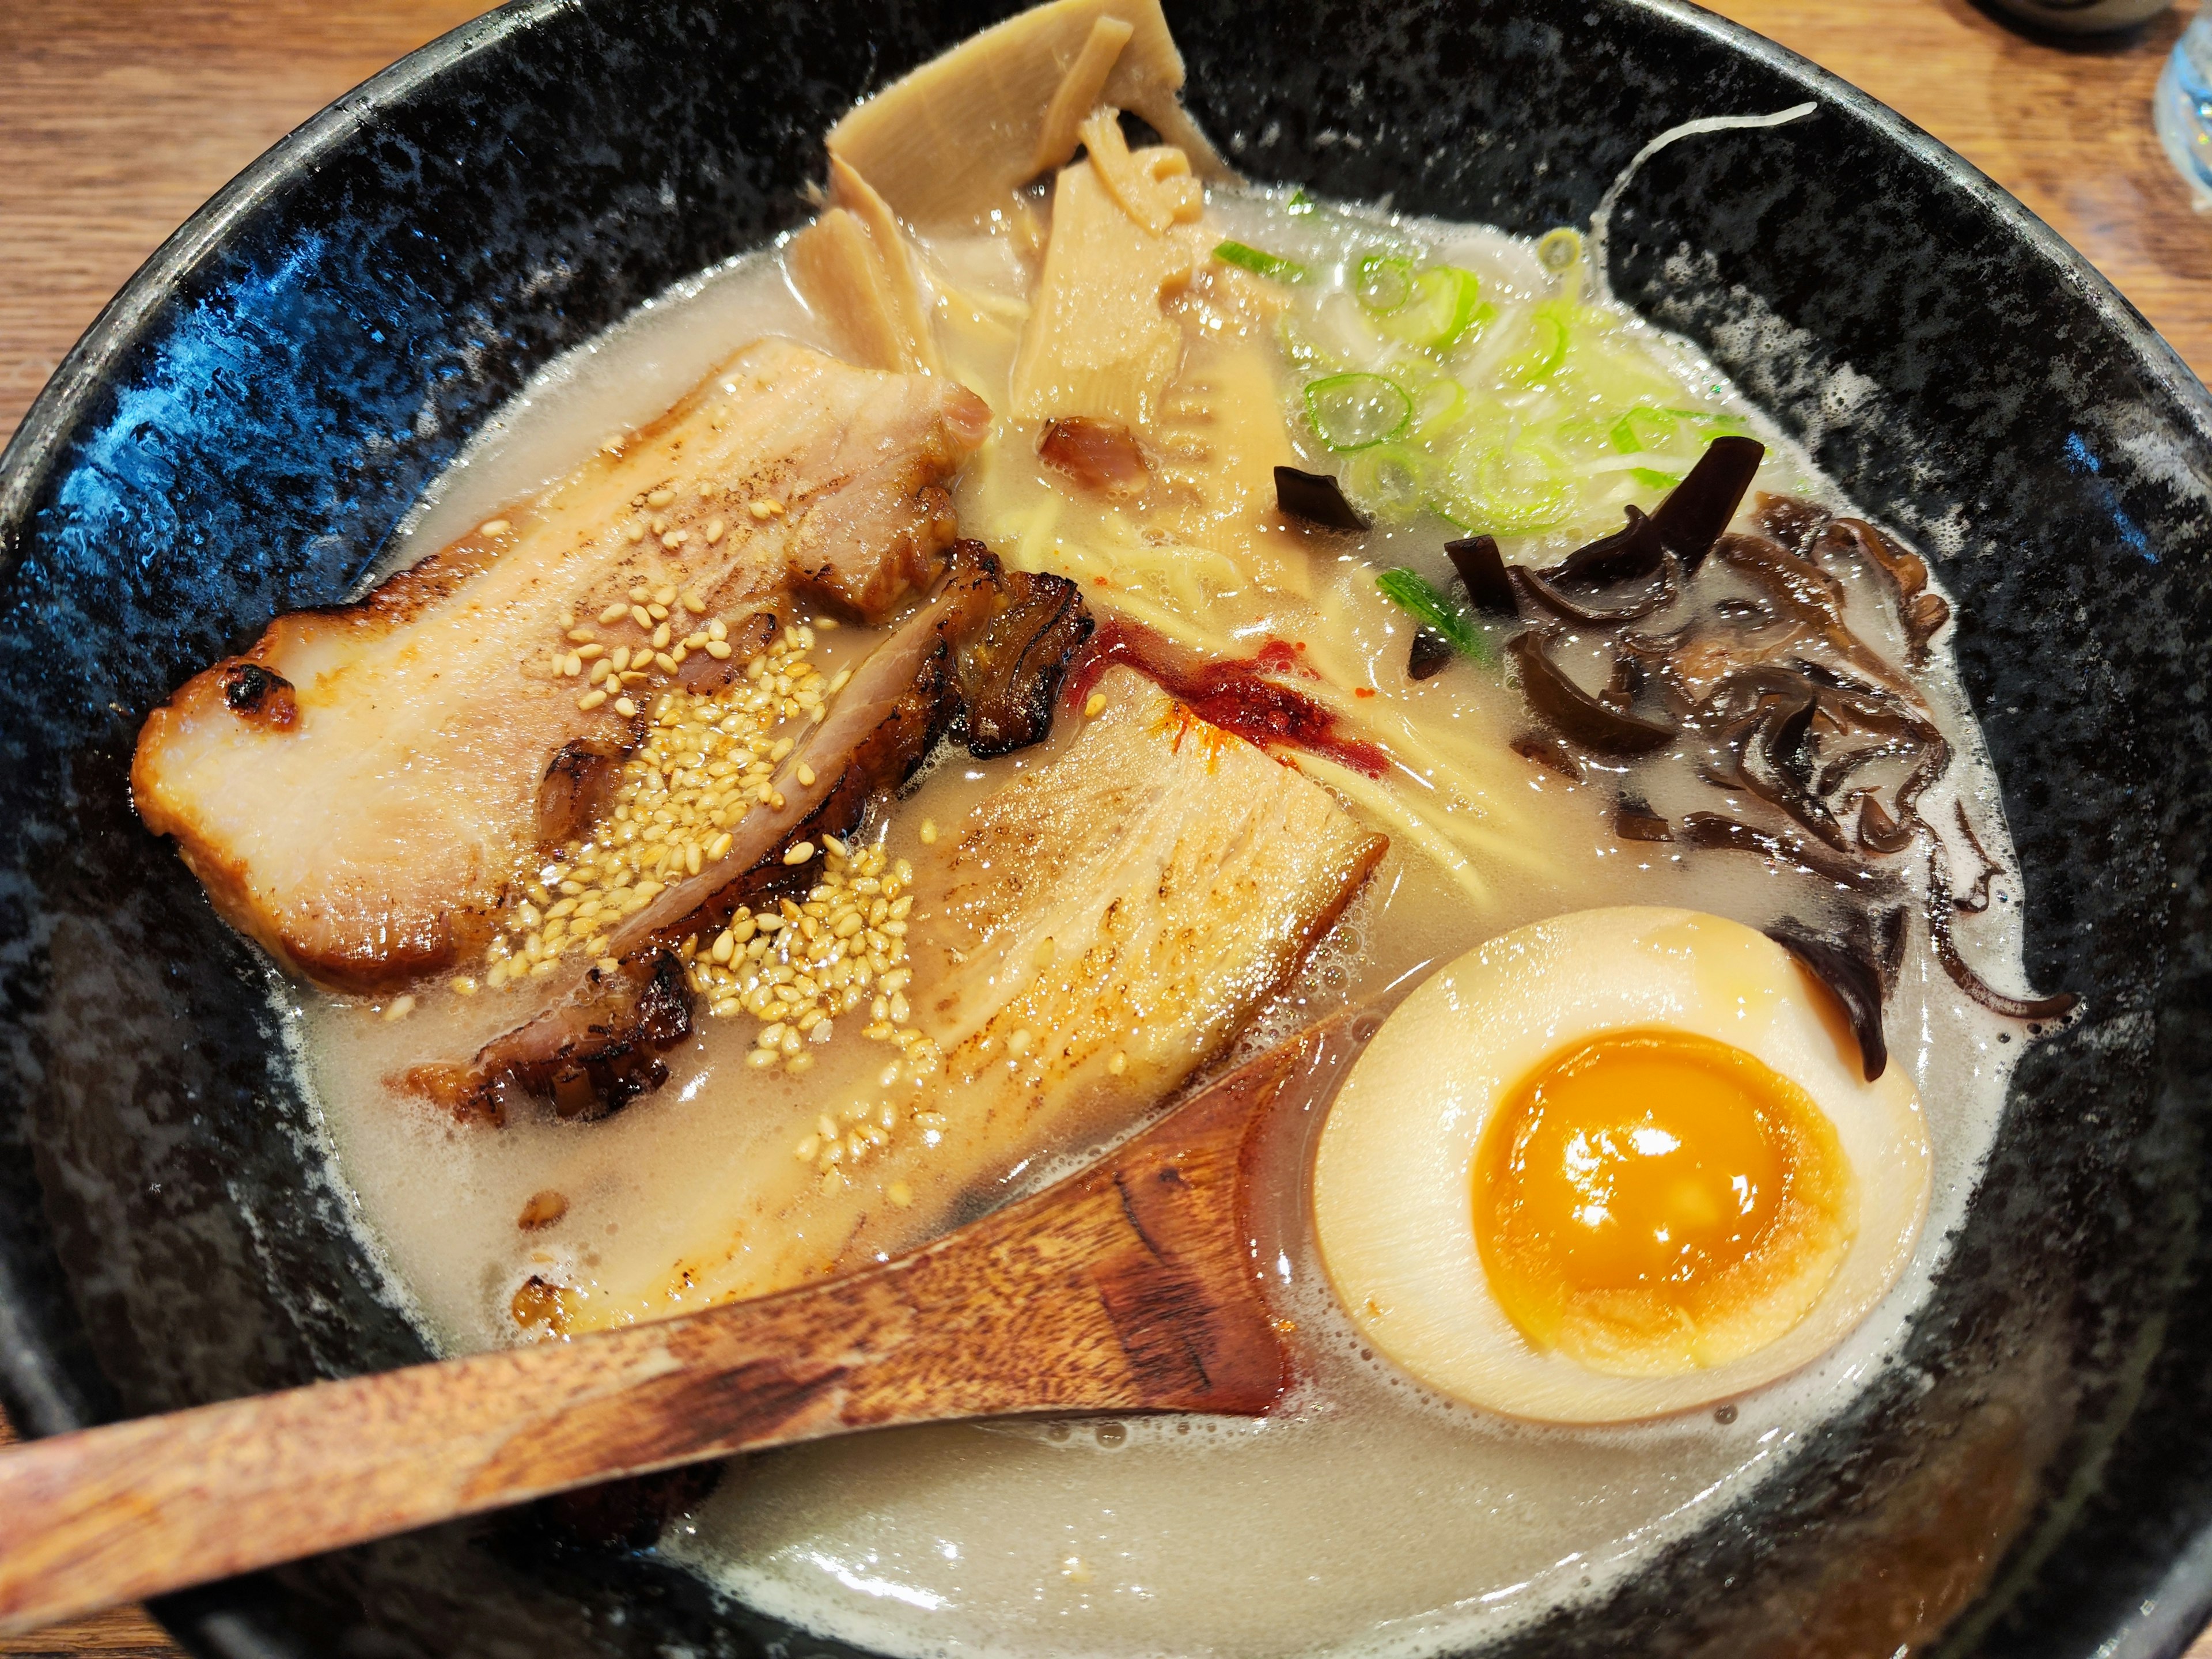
[(1131, 1286)]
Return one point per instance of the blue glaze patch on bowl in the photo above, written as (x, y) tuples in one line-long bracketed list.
[(245, 428)]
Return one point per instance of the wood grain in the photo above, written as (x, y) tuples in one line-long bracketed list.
[(2065, 125), (118, 120), (1130, 1287)]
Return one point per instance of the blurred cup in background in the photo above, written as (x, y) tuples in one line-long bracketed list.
[(2182, 108), (2082, 16)]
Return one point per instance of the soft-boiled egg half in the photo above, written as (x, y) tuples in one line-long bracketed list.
[(1619, 1163)]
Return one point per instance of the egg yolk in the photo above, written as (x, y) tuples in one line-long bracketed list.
[(1654, 1201)]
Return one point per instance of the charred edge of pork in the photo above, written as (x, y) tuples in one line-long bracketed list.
[(259, 696), (594, 1054), (578, 784), (1009, 668)]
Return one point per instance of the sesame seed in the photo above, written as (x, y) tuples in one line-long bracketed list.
[(614, 613), (762, 510), (400, 1007), (1095, 707), (658, 612), (663, 596), (637, 614), (900, 1194), (493, 527), (1018, 1044), (581, 636), (805, 772), (660, 634), (600, 672), (634, 532), (799, 852), (661, 498), (716, 629), (1119, 1064), (720, 849), (591, 700), (929, 832), (624, 706), (465, 986)]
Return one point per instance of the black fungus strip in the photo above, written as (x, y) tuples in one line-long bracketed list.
[(1790, 520), (1718, 833), (1541, 594), (1698, 509), (1977, 900), (1315, 497), (1430, 652), (1878, 831), (1963, 976), (1632, 553), (1634, 820), (1550, 749), (1481, 569), (1574, 712), (1846, 963)]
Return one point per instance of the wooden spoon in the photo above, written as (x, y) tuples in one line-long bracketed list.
[(1131, 1286)]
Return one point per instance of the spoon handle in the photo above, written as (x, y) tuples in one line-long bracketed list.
[(1127, 1288)]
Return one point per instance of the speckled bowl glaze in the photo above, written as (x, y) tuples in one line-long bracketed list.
[(242, 429)]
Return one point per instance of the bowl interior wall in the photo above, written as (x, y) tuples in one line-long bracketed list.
[(242, 432)]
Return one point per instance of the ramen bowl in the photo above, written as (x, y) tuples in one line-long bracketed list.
[(245, 426)]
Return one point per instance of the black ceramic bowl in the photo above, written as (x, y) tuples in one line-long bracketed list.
[(243, 428)]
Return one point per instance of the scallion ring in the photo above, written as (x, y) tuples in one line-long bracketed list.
[(1383, 281), (1357, 411), (1259, 263)]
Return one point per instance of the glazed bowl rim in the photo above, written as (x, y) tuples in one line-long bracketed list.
[(2160, 1625)]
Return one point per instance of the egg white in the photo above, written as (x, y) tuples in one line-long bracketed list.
[(1392, 1174)]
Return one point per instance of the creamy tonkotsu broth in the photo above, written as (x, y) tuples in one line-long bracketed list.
[(1456, 381)]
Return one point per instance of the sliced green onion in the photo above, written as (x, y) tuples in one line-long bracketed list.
[(1437, 408), (1558, 250), (1299, 202), (1438, 311), (1383, 281), (1302, 348), (1652, 478), (1260, 264), (1357, 411), (1420, 600), (1390, 482), (1546, 349), (1581, 440), (1503, 491), (1711, 425), (1643, 429)]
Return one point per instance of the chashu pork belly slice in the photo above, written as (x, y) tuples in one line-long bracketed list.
[(356, 791), (982, 659), (1103, 927)]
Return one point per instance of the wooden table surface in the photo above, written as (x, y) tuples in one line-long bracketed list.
[(117, 118)]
